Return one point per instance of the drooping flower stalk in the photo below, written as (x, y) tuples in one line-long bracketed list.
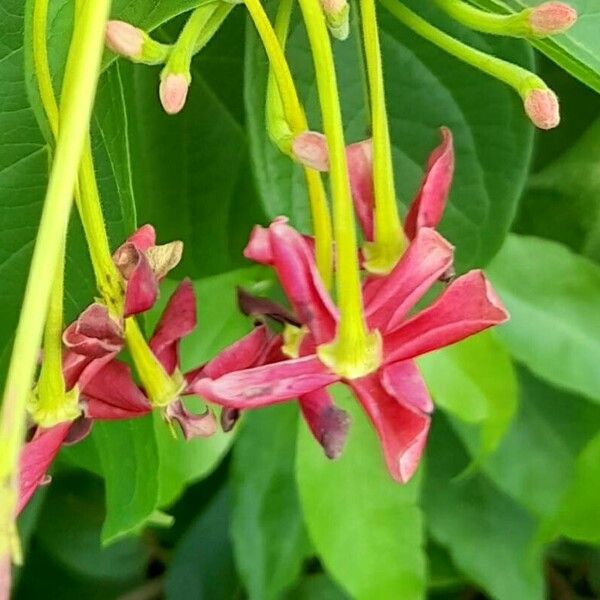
[(197, 31), (549, 18), (81, 76), (355, 351), (389, 241), (540, 102), (286, 120)]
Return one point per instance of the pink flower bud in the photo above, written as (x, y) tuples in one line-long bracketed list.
[(124, 39), (542, 108), (173, 93), (552, 18), (310, 149)]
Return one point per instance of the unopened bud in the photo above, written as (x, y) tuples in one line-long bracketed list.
[(542, 108), (124, 39), (310, 149), (337, 16), (173, 92), (551, 18)]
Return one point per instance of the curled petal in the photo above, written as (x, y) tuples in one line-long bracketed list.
[(35, 460), (142, 284), (328, 423), (389, 299), (164, 258), (192, 425), (402, 430), (177, 321), (294, 262), (258, 247), (310, 149), (112, 394), (360, 171), (229, 417), (80, 429), (95, 333), (79, 369), (428, 206), (269, 384), (467, 306), (403, 381), (144, 238)]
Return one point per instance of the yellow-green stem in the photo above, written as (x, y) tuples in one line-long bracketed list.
[(282, 135), (522, 80), (81, 76), (354, 352), (389, 239)]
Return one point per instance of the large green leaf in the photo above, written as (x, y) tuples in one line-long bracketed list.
[(267, 528), (475, 381), (553, 297), (425, 89), (535, 461), (366, 528), (488, 535), (129, 458), (578, 50)]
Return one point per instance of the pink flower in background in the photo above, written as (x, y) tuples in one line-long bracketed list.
[(394, 397)]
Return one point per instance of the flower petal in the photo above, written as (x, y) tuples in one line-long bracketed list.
[(95, 333), (402, 430), (79, 369), (404, 381), (142, 284), (112, 394), (328, 423), (360, 170), (467, 306), (35, 460), (269, 384), (295, 265), (389, 299), (177, 320), (192, 425), (143, 238), (428, 206)]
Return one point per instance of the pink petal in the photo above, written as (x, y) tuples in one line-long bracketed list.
[(142, 284), (428, 206), (467, 306), (5, 577), (36, 458), (177, 321), (265, 385), (112, 394), (95, 333), (328, 423), (403, 381), (80, 429), (294, 263), (402, 430), (244, 353), (79, 369), (258, 248), (389, 299), (360, 171), (143, 238), (192, 425)]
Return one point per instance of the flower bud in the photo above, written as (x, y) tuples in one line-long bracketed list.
[(124, 39), (337, 17), (310, 149), (551, 18), (542, 108), (173, 92)]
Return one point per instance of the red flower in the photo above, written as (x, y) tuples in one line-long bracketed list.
[(394, 396)]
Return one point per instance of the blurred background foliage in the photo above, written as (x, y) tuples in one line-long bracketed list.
[(507, 502)]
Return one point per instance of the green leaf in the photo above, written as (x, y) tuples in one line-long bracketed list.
[(317, 587), (366, 529), (267, 528), (577, 515), (562, 202), (475, 381), (488, 535), (550, 429), (425, 89), (553, 297), (578, 50), (202, 565), (129, 458)]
